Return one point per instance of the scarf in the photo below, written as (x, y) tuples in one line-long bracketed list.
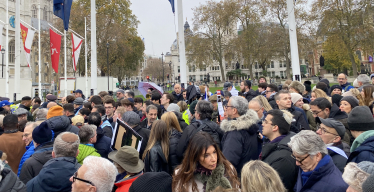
[(305, 175), (215, 179)]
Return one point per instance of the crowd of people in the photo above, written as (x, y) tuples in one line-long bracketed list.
[(292, 137)]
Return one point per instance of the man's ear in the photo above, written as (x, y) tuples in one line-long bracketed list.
[(53, 154), (77, 153)]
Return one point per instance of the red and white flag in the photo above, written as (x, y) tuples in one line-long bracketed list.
[(76, 43), (1, 36), (27, 37), (55, 40)]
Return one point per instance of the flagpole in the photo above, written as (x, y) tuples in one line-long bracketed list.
[(85, 54), (39, 57), (17, 62), (66, 86), (182, 52), (93, 48), (7, 52)]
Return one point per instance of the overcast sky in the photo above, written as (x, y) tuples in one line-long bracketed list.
[(157, 22)]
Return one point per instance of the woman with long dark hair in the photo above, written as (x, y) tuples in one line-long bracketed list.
[(204, 168)]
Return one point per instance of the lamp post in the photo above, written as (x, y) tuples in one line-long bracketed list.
[(163, 71), (170, 73), (2, 63), (107, 60)]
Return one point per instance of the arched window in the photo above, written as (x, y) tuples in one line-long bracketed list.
[(34, 11), (45, 14), (11, 51)]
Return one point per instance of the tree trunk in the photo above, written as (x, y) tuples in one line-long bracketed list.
[(354, 64), (250, 69), (222, 71)]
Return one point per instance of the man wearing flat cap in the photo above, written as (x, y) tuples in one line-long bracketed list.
[(26, 104)]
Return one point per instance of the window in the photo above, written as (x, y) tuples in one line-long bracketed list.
[(280, 64), (273, 74), (179, 69), (193, 68), (11, 51), (256, 65), (201, 78), (272, 64), (189, 69), (242, 66), (281, 74), (284, 64), (34, 11), (268, 74)]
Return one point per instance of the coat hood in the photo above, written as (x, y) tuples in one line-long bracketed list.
[(241, 123), (306, 107), (335, 113), (61, 124), (44, 153), (10, 181)]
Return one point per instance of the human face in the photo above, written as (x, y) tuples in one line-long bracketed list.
[(152, 116), (164, 100), (268, 92), (109, 109), (242, 87), (231, 111), (313, 96), (256, 107), (307, 162), (351, 189), (63, 100), (22, 117), (299, 103), (372, 81), (27, 135), (317, 112), (94, 139), (177, 89), (342, 79), (345, 107), (267, 126), (120, 95), (77, 95), (260, 89), (229, 89), (208, 158), (362, 93), (284, 101), (262, 80), (144, 108), (138, 106), (336, 92), (185, 95), (7, 107), (215, 105), (81, 186), (327, 134), (115, 116)]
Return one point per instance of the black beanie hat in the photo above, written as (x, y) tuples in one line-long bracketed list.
[(326, 81), (247, 82), (308, 88), (152, 181), (360, 119), (307, 83), (336, 99), (42, 133), (335, 87), (353, 101)]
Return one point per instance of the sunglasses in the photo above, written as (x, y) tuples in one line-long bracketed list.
[(76, 178)]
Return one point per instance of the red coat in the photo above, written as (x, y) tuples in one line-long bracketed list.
[(125, 184)]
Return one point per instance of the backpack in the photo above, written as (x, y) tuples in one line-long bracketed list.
[(211, 131)]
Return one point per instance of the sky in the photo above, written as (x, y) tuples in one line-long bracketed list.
[(157, 22)]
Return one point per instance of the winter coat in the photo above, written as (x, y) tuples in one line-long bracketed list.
[(155, 160), (10, 182), (144, 133), (240, 143), (272, 102), (85, 151), (140, 113), (107, 128), (278, 156), (310, 117), (341, 116), (339, 161), (298, 120), (29, 115), (174, 160), (54, 176), (362, 148), (190, 131), (346, 87), (61, 124), (35, 163), (76, 111), (103, 143), (250, 95), (326, 178), (177, 98), (181, 121), (29, 151), (14, 147), (125, 184)]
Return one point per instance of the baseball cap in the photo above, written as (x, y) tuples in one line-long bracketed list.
[(227, 85), (78, 91), (337, 125), (4, 103)]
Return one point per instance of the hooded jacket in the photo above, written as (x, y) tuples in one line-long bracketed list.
[(278, 156), (10, 182), (362, 148), (250, 95), (177, 97), (240, 143), (299, 119), (155, 160), (61, 124), (54, 176), (103, 143), (174, 160), (29, 151), (84, 151), (35, 163)]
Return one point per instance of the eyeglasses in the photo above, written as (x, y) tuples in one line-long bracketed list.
[(76, 178), (266, 122), (227, 106), (324, 131), (268, 91), (26, 135), (316, 113), (109, 107), (300, 161)]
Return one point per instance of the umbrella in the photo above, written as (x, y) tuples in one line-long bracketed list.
[(144, 86)]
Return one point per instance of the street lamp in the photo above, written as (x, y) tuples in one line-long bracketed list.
[(170, 73), (2, 64), (107, 60), (162, 63)]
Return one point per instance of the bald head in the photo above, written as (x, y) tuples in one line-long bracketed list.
[(257, 107), (177, 89), (342, 78), (51, 104)]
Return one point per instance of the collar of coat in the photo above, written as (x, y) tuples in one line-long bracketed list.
[(241, 123)]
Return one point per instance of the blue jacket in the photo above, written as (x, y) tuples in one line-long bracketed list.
[(54, 176), (365, 152), (29, 151), (103, 143), (77, 110), (346, 87), (326, 178)]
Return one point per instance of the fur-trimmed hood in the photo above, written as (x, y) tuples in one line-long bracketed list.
[(306, 107), (241, 123)]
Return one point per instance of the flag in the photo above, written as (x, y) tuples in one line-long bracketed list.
[(76, 43), (172, 5), (206, 94), (55, 44), (27, 37), (61, 8)]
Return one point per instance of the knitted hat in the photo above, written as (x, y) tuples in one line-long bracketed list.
[(173, 107), (336, 99), (308, 87), (192, 107), (335, 87), (295, 97), (131, 118), (356, 174), (152, 181), (307, 83), (42, 133), (368, 185), (353, 101), (77, 119), (55, 111), (360, 119)]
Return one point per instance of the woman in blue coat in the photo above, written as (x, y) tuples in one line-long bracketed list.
[(317, 171)]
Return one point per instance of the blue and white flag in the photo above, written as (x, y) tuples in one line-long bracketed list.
[(172, 5), (61, 8)]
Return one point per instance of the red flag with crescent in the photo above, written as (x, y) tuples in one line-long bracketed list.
[(55, 43)]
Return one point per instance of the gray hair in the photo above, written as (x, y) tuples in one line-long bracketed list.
[(32, 124), (41, 114), (204, 109), (307, 142), (67, 148), (100, 172), (151, 107), (86, 132), (227, 93), (364, 79), (239, 103)]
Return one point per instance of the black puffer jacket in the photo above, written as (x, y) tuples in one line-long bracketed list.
[(177, 97), (298, 120), (174, 160), (272, 102), (240, 143), (278, 156), (35, 163), (10, 182), (61, 124), (250, 95), (144, 132), (155, 160)]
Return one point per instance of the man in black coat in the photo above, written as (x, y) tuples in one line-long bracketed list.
[(26, 104), (177, 93), (270, 92), (246, 91), (276, 127), (103, 142)]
